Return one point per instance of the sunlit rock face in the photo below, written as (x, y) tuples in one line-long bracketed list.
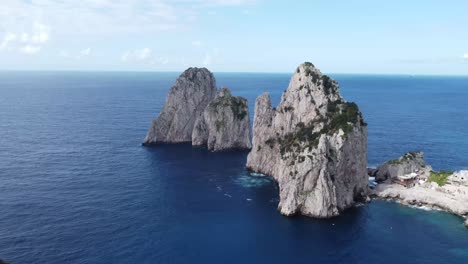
[(225, 124), (187, 99), (313, 143)]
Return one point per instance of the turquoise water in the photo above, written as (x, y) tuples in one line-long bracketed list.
[(77, 186)]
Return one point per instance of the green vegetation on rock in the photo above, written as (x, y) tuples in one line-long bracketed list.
[(329, 85), (345, 118), (238, 105), (440, 177), (407, 157), (304, 138), (342, 116)]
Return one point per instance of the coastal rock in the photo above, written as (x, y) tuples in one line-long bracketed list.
[(225, 123), (406, 164), (466, 223), (459, 177), (185, 103), (314, 144), (371, 172), (450, 198)]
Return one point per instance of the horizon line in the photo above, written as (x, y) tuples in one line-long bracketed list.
[(243, 72)]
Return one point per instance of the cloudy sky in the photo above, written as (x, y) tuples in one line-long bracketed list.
[(362, 36)]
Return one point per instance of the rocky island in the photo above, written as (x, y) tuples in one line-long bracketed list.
[(225, 123), (314, 144), (196, 112), (410, 181), (186, 101)]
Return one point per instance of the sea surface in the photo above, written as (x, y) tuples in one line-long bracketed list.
[(76, 186)]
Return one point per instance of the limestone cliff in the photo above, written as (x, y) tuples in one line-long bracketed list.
[(225, 123), (406, 164), (313, 143), (185, 103)]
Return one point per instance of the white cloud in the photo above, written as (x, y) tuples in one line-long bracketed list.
[(85, 52), (224, 2), (159, 60), (40, 33), (75, 55), (24, 37), (64, 53), (207, 60), (197, 43), (144, 56), (465, 56), (27, 43), (137, 55), (9, 37), (91, 17), (30, 49)]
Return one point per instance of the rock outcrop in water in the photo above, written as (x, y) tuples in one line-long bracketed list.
[(413, 182), (313, 143), (185, 103), (406, 164), (225, 123)]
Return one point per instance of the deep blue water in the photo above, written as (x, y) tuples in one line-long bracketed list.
[(76, 186)]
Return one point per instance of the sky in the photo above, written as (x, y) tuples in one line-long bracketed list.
[(360, 36)]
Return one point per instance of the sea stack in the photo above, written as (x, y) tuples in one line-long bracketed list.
[(225, 123), (185, 103), (314, 144)]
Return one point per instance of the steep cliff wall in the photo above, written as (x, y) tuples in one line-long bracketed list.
[(185, 103), (313, 143), (225, 123)]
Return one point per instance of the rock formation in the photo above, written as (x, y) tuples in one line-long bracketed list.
[(466, 223), (459, 177), (406, 164), (225, 123), (313, 143), (185, 103)]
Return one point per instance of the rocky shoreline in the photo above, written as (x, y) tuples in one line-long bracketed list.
[(410, 181)]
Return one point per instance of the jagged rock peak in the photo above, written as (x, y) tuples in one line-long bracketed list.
[(313, 143), (225, 123), (185, 103)]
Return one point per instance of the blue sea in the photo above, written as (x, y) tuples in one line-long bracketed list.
[(76, 186)]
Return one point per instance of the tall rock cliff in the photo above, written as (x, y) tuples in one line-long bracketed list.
[(185, 103), (313, 143), (225, 123)]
